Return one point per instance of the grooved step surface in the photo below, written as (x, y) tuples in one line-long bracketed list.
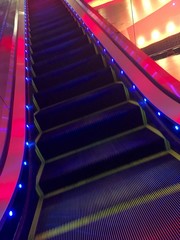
[(61, 48), (41, 26), (86, 131), (80, 107), (67, 73), (63, 60), (57, 30), (100, 158), (157, 219), (68, 90), (110, 191)]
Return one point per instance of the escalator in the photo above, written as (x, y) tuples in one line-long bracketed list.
[(105, 173)]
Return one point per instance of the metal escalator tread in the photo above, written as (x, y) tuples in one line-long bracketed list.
[(55, 13), (59, 56), (47, 42), (157, 219), (112, 191), (53, 32), (41, 25), (70, 89), (81, 106), (62, 61), (38, 23), (89, 129), (38, 61), (100, 158), (67, 73), (61, 48), (53, 22)]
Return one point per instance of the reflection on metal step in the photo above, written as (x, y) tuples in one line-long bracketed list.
[(141, 184)]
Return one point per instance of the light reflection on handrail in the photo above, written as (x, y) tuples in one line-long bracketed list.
[(7, 60)]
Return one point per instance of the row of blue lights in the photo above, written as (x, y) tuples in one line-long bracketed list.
[(144, 99), (26, 39), (20, 186), (28, 77), (27, 68)]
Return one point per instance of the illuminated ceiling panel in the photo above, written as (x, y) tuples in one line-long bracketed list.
[(97, 3)]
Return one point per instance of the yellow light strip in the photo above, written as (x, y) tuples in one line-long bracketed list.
[(107, 212)]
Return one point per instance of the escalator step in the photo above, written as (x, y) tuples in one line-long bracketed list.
[(74, 88), (88, 130), (62, 48), (38, 63), (41, 25), (114, 191), (59, 55), (54, 12), (37, 17), (157, 219), (100, 158), (40, 36), (64, 60), (72, 71), (81, 106), (55, 40)]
